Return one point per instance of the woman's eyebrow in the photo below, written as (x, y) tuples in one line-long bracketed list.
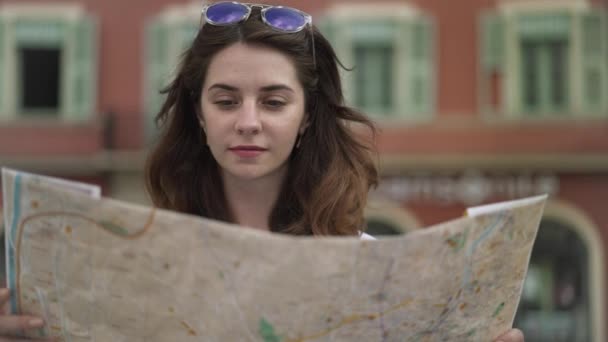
[(269, 88), (275, 87), (222, 86)]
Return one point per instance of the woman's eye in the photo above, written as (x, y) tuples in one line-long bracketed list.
[(225, 103), (275, 103)]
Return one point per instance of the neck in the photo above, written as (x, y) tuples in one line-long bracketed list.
[(251, 202)]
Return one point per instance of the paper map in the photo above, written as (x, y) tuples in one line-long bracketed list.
[(103, 270)]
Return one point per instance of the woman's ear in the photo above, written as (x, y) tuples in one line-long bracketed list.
[(304, 125), (199, 116)]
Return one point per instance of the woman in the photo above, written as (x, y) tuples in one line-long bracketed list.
[(256, 132), (247, 113)]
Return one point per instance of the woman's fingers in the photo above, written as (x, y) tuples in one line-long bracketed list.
[(20, 339), (513, 335), (11, 325), (5, 294)]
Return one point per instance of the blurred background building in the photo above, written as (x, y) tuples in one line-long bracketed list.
[(476, 101)]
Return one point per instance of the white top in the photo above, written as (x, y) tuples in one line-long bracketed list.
[(365, 236)]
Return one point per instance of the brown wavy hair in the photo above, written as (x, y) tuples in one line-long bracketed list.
[(329, 175)]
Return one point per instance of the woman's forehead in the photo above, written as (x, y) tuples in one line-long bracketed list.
[(241, 65)]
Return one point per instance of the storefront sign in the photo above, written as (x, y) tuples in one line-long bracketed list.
[(469, 188)]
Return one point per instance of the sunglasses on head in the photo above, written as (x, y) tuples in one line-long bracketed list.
[(280, 18)]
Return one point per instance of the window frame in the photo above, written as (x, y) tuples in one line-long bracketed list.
[(507, 17), (337, 23), (78, 61)]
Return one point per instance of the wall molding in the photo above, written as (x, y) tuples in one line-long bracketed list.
[(370, 10), (562, 163), (516, 7)]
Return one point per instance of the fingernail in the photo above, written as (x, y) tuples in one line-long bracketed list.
[(35, 323)]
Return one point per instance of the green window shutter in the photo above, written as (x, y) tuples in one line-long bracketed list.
[(595, 57), (492, 57), (157, 71), (187, 33), (337, 32), (2, 67), (327, 28), (492, 42), (421, 66), (82, 62)]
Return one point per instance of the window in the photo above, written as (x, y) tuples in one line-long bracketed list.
[(168, 36), (544, 62), (373, 67), (544, 77), (39, 74), (390, 48), (47, 62)]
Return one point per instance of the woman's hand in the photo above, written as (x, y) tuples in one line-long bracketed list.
[(13, 325), (513, 335)]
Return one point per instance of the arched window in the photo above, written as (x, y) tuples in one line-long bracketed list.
[(377, 226), (388, 218), (555, 303)]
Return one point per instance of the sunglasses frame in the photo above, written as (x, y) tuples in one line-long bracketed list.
[(264, 8)]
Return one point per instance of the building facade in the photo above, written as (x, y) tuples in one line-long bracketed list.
[(479, 101)]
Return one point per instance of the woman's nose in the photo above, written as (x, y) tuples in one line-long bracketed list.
[(248, 119)]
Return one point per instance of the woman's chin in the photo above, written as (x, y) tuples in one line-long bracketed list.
[(253, 172), (246, 173)]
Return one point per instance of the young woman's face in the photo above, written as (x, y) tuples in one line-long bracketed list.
[(252, 110)]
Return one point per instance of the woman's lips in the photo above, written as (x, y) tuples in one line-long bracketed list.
[(247, 151)]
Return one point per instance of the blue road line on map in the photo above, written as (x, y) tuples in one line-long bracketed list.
[(12, 280), (485, 234)]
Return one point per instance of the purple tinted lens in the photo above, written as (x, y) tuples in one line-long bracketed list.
[(285, 19), (226, 13)]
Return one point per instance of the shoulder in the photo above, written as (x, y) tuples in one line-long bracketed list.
[(365, 236)]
